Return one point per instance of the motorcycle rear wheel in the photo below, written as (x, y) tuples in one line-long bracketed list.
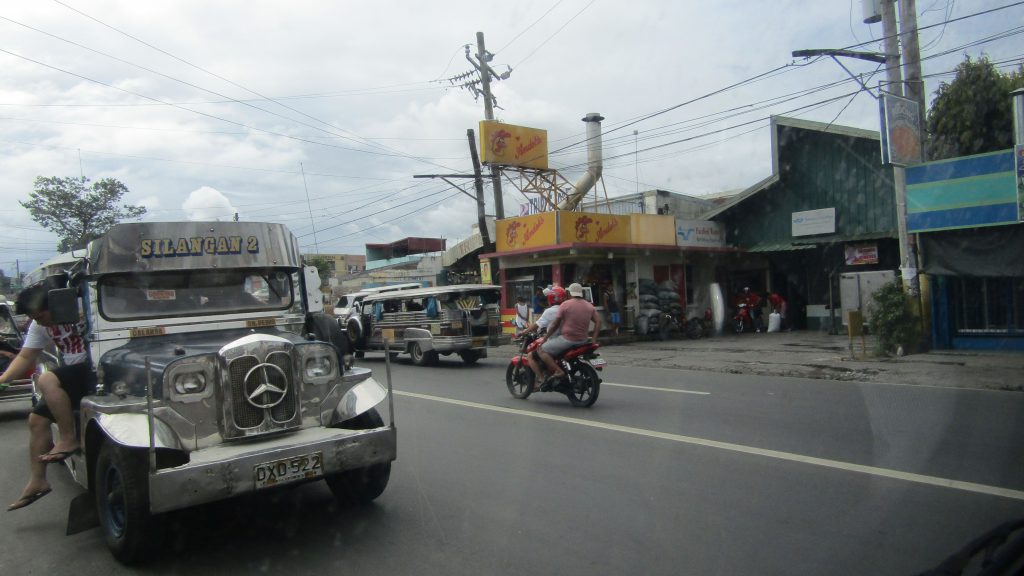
[(519, 380), (694, 329), (585, 385)]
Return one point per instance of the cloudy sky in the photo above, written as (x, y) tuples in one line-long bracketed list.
[(318, 113)]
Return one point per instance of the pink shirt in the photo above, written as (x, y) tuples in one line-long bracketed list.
[(575, 314)]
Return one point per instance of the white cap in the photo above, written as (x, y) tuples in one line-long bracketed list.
[(575, 290)]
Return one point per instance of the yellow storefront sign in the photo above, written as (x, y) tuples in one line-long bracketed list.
[(511, 145), (593, 228), (653, 229), (526, 231)]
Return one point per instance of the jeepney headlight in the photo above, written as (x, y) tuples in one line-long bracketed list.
[(190, 379), (318, 367), (190, 383)]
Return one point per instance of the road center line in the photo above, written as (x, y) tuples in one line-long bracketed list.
[(776, 454), (655, 388)]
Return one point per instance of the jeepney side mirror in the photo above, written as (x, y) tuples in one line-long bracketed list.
[(63, 304)]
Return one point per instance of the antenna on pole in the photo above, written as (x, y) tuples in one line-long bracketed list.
[(316, 245)]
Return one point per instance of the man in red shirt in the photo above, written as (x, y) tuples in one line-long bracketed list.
[(778, 304), (574, 317)]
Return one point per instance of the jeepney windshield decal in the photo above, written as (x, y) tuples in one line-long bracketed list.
[(195, 293)]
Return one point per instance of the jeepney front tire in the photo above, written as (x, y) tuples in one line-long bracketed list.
[(122, 503), (362, 485), (470, 357)]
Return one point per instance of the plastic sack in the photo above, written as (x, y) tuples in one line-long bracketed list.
[(641, 324), (774, 322)]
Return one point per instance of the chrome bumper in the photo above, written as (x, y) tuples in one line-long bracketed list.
[(226, 471)]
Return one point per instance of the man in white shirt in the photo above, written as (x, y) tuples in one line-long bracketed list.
[(62, 389)]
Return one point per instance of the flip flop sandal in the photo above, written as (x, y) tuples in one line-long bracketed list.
[(55, 457), (28, 499)]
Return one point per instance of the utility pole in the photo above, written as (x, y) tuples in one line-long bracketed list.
[(478, 180), (481, 64), (914, 85), (893, 73), (908, 261)]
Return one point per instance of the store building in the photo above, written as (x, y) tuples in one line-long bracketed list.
[(827, 210), (967, 214), (600, 250)]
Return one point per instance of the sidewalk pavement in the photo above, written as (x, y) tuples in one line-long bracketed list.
[(812, 354)]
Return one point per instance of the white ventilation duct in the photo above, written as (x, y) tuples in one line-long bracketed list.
[(593, 173)]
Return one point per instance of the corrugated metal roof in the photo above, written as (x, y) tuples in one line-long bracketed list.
[(836, 238), (778, 247)]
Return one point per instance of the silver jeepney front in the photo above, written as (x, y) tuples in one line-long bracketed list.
[(265, 407)]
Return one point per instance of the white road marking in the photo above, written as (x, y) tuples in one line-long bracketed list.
[(776, 454), (655, 388)]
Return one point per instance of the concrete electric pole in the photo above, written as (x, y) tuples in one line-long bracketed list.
[(486, 74)]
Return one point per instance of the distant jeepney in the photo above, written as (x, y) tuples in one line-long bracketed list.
[(429, 322), (218, 375)]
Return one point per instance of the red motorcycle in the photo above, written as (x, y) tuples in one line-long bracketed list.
[(744, 320), (581, 364)]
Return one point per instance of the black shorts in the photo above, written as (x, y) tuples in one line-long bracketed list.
[(77, 380)]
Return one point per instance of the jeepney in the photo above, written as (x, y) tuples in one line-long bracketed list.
[(22, 388), (218, 375), (428, 322)]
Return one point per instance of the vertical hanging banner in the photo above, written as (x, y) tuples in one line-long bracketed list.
[(901, 131), (485, 271), (1018, 156)]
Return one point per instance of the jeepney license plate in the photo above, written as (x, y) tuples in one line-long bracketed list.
[(598, 362), (288, 470)]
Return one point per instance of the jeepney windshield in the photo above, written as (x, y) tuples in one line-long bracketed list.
[(195, 292)]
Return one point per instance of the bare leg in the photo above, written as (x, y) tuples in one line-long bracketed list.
[(39, 441), (60, 406), (552, 367)]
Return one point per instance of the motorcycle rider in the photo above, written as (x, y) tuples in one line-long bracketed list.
[(574, 316), (753, 302), (555, 296)]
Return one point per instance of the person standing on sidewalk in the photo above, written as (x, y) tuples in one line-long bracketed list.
[(522, 315), (778, 304), (611, 306)]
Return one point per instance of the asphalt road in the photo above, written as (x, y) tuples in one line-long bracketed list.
[(671, 472)]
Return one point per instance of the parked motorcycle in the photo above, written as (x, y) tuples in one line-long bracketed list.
[(581, 365), (744, 320), (670, 325)]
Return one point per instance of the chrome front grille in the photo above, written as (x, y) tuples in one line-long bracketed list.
[(246, 415), (285, 410), (262, 392)]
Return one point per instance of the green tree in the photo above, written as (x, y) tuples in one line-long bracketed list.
[(78, 213), (324, 266), (973, 113), (892, 321)]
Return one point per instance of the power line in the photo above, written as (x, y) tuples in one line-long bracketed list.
[(233, 83), (555, 33)]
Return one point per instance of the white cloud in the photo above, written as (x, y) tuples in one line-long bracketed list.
[(208, 204), (347, 72)]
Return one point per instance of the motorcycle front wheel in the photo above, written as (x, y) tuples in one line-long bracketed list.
[(519, 380), (585, 385), (739, 325)]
